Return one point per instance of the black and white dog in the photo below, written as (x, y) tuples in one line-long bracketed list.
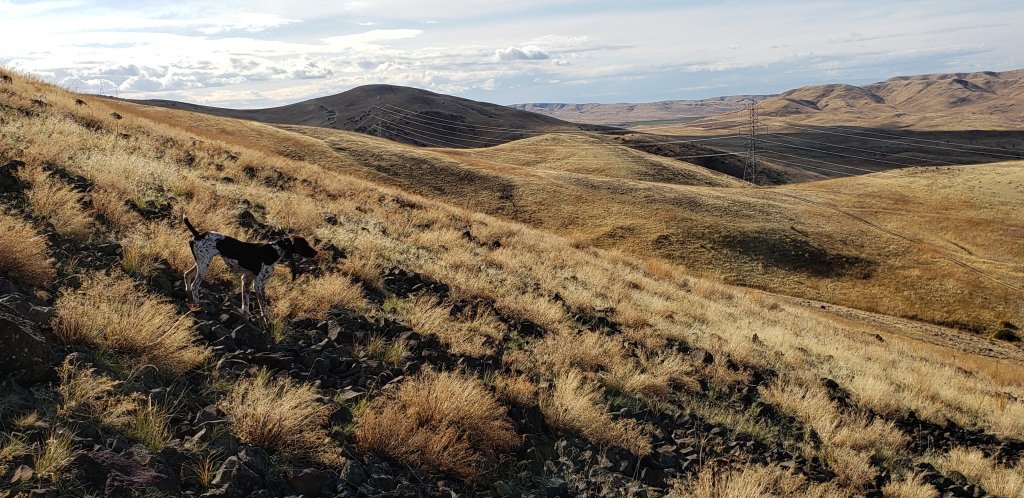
[(255, 262)]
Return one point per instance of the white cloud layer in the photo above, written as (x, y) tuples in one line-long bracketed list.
[(262, 53)]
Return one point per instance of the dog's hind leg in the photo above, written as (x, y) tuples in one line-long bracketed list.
[(202, 267), (189, 276), (245, 295)]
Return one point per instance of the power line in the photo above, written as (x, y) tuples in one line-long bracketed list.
[(892, 135)]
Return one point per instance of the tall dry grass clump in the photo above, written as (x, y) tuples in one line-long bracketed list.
[(114, 313), (751, 482), (316, 296), (23, 252), (58, 203), (976, 467), (911, 486), (281, 415), (578, 404), (444, 421)]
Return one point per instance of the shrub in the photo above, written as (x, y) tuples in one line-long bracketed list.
[(114, 313), (448, 422), (281, 415), (23, 252)]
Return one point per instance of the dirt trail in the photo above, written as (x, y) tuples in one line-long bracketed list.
[(919, 331)]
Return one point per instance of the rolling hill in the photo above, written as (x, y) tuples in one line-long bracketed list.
[(406, 114), (441, 344), (984, 101), (813, 240)]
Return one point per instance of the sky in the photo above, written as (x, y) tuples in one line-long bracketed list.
[(247, 54)]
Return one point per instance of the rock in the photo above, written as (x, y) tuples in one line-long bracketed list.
[(308, 482), (209, 415), (247, 335), (702, 356), (43, 493), (24, 353), (503, 490), (353, 473), (22, 473), (237, 479), (555, 487), (118, 475), (255, 458)]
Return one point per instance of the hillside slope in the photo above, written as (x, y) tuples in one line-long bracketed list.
[(934, 102), (783, 239), (429, 349), (406, 114)]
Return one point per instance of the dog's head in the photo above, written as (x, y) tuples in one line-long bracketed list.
[(301, 247)]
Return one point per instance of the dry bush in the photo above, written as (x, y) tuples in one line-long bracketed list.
[(114, 313), (995, 478), (751, 482), (316, 296), (23, 252), (58, 203), (83, 392), (444, 421), (281, 415), (911, 486), (579, 405), (515, 389)]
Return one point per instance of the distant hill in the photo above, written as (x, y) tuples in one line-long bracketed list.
[(625, 113), (404, 114), (934, 102)]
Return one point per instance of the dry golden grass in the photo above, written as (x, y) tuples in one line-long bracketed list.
[(281, 415), (995, 478), (848, 440), (115, 313), (911, 486), (651, 376), (54, 456), (315, 296), (23, 252), (428, 316), (515, 389), (653, 300), (58, 204), (577, 404), (444, 421), (751, 482)]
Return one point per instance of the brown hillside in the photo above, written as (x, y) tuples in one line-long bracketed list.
[(430, 349), (406, 114)]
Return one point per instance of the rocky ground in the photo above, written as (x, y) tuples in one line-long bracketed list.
[(202, 458)]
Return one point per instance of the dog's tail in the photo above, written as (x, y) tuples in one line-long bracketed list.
[(195, 233)]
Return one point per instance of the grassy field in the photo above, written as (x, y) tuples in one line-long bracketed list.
[(554, 331), (885, 242)]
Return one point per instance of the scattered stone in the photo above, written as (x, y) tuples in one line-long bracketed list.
[(308, 482)]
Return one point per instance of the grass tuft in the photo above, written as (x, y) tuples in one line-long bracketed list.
[(281, 415), (443, 421), (23, 252), (113, 312)]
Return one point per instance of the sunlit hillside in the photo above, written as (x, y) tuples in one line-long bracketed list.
[(447, 340)]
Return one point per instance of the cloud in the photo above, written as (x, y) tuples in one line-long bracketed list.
[(269, 53), (527, 53)]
